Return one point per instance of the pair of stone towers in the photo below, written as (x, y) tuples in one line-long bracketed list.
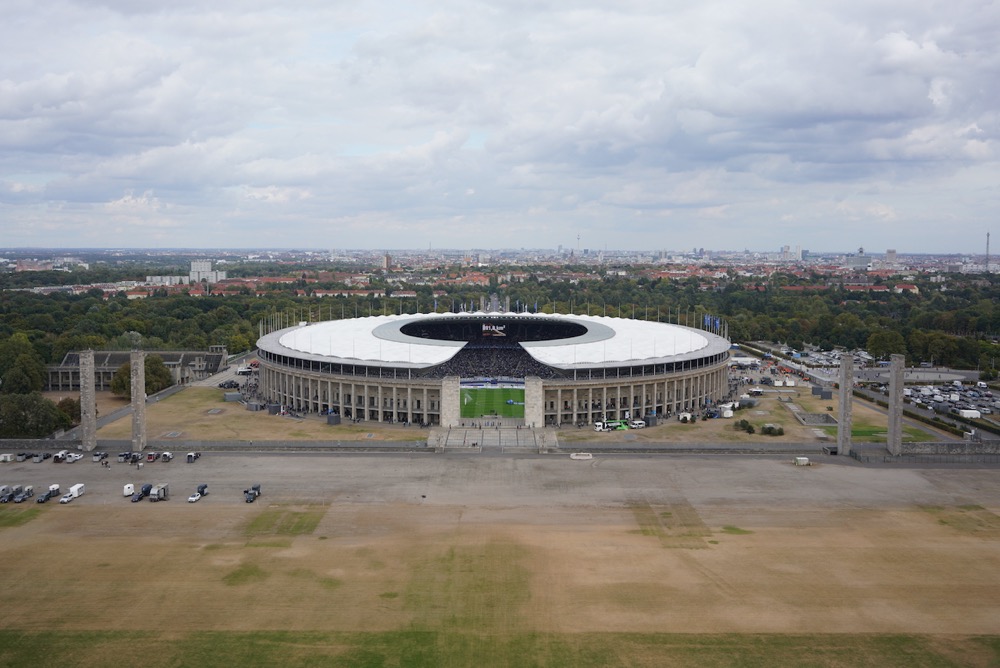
[(88, 400), (894, 440)]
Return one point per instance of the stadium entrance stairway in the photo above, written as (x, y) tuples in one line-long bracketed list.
[(506, 439)]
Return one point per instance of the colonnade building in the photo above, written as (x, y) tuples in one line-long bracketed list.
[(518, 368)]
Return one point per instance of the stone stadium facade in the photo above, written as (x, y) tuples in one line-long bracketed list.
[(412, 368)]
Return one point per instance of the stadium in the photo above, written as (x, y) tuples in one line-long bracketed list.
[(510, 368)]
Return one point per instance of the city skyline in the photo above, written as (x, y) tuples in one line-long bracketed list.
[(617, 126)]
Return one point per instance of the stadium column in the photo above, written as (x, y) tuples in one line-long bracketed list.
[(88, 400), (844, 418), (138, 379), (895, 438), (450, 401), (380, 401), (534, 402), (576, 408), (426, 418), (409, 404)]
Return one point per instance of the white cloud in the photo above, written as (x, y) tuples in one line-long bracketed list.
[(462, 121)]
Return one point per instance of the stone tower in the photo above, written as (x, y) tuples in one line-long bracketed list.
[(88, 400), (844, 417), (138, 377)]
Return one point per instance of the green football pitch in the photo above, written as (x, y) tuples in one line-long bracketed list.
[(500, 401)]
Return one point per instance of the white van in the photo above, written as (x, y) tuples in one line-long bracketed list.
[(637, 424)]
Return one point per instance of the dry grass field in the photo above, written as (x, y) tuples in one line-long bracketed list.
[(495, 561), (202, 414)]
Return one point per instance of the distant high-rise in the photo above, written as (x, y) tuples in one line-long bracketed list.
[(386, 261), (890, 256)]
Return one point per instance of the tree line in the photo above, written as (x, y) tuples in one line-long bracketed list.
[(956, 327)]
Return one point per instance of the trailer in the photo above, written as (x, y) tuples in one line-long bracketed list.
[(77, 490), (7, 457), (128, 490), (160, 492), (970, 414)]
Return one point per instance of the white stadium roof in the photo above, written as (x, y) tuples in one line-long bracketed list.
[(377, 340)]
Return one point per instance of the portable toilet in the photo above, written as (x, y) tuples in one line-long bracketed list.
[(802, 461), (7, 457), (129, 490)]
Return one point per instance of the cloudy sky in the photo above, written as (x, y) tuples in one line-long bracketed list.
[(322, 124)]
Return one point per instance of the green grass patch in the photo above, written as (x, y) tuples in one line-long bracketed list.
[(285, 522), (480, 587), (254, 542), (500, 401), (679, 527), (14, 516), (487, 649), (970, 519), (735, 531), (245, 574)]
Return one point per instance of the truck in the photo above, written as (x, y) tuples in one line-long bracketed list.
[(250, 495), (160, 492)]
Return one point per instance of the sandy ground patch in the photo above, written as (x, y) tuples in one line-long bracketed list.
[(690, 545)]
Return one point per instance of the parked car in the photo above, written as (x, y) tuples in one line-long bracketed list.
[(6, 498), (73, 457), (45, 496), (137, 497), (67, 498), (194, 498)]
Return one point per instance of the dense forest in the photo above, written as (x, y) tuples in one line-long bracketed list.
[(955, 327)]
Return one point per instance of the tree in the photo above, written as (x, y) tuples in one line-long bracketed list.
[(71, 408), (885, 342), (25, 375), (158, 377), (29, 416)]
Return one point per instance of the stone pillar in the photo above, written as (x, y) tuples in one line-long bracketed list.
[(894, 442), (534, 402), (844, 417), (88, 400), (138, 378), (451, 398)]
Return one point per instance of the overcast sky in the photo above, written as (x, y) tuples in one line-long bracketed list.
[(506, 124)]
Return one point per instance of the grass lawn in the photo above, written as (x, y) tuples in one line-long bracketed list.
[(202, 413), (426, 648), (500, 401)]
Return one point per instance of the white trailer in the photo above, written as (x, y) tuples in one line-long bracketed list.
[(128, 490), (970, 414), (77, 490)]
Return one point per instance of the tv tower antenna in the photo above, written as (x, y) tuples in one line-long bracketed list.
[(987, 252), (578, 241)]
